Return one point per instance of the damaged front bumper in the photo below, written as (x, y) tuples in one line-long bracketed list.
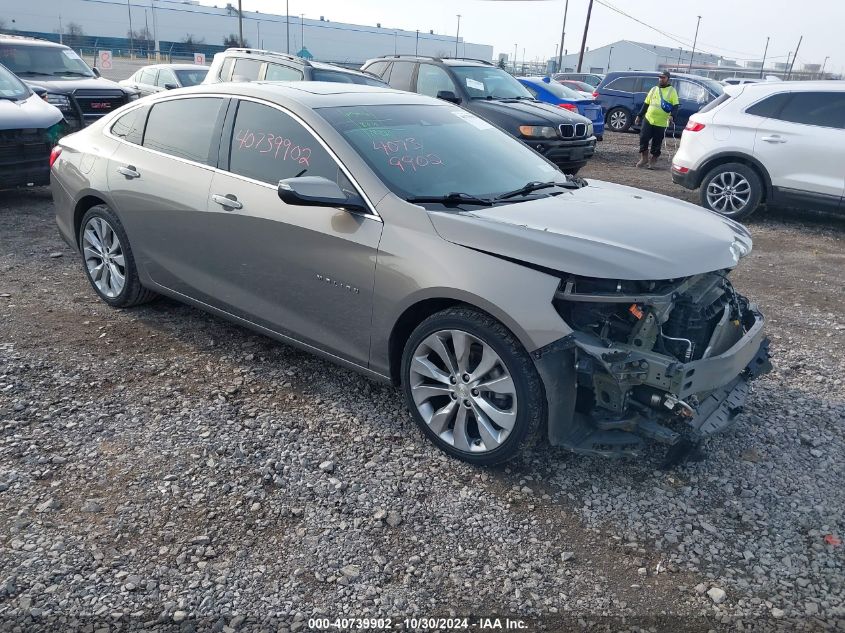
[(640, 394)]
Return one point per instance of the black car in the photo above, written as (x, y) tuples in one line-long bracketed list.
[(29, 128), (76, 90), (564, 137)]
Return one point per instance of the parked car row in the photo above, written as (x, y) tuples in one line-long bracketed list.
[(418, 243)]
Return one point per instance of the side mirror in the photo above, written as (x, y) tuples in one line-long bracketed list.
[(547, 80), (39, 90), (96, 71), (448, 95), (170, 86), (316, 191)]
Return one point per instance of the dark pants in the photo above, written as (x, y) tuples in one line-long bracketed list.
[(653, 134)]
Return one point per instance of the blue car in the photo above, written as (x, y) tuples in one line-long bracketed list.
[(622, 94), (548, 91)]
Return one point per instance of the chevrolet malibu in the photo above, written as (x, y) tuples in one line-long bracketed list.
[(408, 239)]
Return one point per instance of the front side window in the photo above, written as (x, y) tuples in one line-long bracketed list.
[(35, 61), (482, 82), (183, 127), (434, 150), (277, 72), (824, 109), (130, 126), (692, 92), (269, 145), (770, 106), (246, 69), (165, 77), (11, 87), (432, 79)]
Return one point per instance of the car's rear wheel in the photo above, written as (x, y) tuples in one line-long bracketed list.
[(108, 261), (471, 386), (619, 119), (732, 189)]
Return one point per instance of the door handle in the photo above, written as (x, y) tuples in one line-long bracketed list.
[(773, 139), (128, 171), (228, 201)]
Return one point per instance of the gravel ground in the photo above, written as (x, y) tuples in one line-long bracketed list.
[(160, 468)]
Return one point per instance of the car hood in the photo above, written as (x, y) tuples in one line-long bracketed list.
[(65, 86), (602, 230), (32, 112), (527, 110)]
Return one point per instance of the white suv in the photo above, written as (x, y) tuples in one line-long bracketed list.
[(779, 143)]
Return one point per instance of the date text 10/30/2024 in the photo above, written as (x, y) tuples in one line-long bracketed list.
[(417, 624)]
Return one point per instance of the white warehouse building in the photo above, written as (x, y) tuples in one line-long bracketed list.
[(628, 55), (106, 24)]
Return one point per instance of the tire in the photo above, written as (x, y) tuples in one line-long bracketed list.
[(101, 231), (497, 425), (619, 120), (732, 189)]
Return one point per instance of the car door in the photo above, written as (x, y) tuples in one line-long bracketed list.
[(802, 146), (305, 272), (159, 185)]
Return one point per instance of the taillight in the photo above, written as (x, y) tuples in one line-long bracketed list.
[(54, 154), (568, 106), (595, 94), (694, 126)]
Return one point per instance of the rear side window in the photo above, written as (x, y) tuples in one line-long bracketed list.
[(130, 127), (623, 84), (268, 145), (400, 76), (183, 127), (246, 69), (148, 76), (825, 109), (277, 72), (770, 106), (432, 79), (377, 68), (226, 68), (716, 102)]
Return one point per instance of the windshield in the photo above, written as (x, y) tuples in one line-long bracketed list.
[(348, 78), (434, 150), (191, 77), (578, 85), (11, 87), (43, 60), (560, 91), (482, 82)]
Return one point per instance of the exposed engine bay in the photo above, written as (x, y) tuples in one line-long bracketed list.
[(667, 360)]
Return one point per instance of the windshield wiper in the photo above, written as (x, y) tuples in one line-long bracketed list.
[(33, 72), (535, 185), (4, 97), (75, 73), (453, 198)]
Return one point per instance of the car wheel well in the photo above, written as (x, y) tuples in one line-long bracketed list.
[(81, 208), (407, 323), (743, 160)]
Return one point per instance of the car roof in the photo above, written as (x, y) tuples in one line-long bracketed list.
[(313, 94), (448, 61), (28, 41), (176, 66), (763, 87), (291, 59), (653, 73)]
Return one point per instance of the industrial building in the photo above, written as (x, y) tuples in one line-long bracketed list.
[(628, 55), (180, 28)]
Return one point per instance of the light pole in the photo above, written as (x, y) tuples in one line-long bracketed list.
[(763, 65), (302, 29), (555, 60), (287, 23), (258, 24), (514, 57), (240, 24), (562, 35), (694, 42), (131, 35), (457, 34), (394, 42)]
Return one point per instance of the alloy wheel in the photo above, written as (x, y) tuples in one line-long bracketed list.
[(728, 192), (618, 120), (104, 258), (463, 391)]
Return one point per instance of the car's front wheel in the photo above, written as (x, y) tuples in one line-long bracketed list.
[(108, 261), (471, 386), (619, 119), (733, 190)]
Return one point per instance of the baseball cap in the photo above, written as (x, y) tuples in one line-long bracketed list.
[(666, 74)]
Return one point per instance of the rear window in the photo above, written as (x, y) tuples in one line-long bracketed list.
[(183, 127), (191, 77), (623, 84)]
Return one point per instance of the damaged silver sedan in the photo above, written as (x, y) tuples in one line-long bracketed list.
[(416, 243)]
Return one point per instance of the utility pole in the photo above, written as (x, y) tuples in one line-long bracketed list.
[(821, 74), (514, 58), (763, 65), (694, 42), (258, 23), (680, 52), (131, 35), (609, 57), (240, 24), (417, 45), (287, 23), (794, 57), (302, 29), (562, 35), (61, 30), (457, 34), (584, 39), (394, 42)]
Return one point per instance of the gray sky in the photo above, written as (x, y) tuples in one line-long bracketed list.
[(736, 29)]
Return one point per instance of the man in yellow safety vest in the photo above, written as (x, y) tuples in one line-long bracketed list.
[(660, 105)]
